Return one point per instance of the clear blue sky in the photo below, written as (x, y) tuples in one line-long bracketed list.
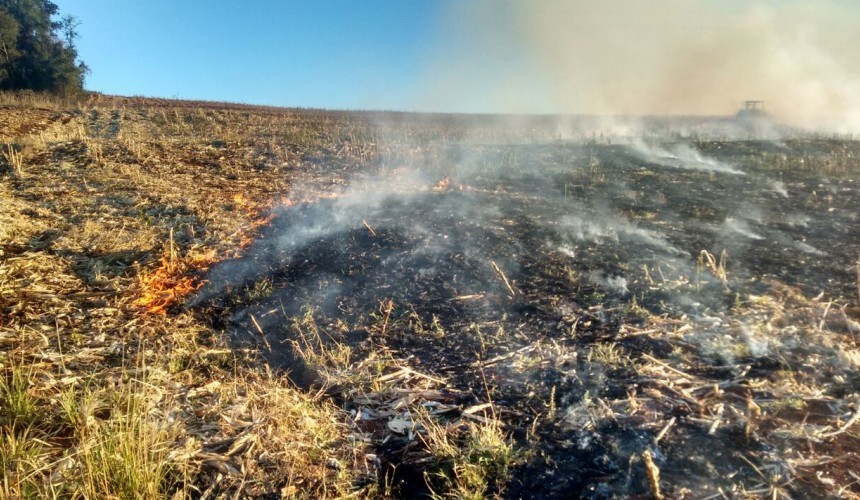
[(332, 54)]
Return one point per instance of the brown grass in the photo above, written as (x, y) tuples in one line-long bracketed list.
[(114, 207), (111, 208), (102, 398)]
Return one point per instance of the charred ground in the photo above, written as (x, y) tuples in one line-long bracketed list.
[(597, 244), (466, 305)]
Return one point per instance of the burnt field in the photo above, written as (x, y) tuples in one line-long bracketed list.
[(587, 297), (305, 303)]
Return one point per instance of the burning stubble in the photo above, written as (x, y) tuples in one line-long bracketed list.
[(571, 296), (555, 268), (680, 57), (501, 244)]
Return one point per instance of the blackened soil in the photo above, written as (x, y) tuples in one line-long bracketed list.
[(580, 233)]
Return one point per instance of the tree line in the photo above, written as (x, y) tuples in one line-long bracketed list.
[(37, 48)]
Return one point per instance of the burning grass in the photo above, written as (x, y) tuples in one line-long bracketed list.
[(170, 283), (99, 400), (339, 310)]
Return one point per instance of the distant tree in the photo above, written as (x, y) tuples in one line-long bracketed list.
[(38, 52)]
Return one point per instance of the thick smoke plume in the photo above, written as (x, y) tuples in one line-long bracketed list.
[(681, 57)]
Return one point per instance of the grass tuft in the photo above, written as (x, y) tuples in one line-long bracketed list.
[(14, 159), (18, 406), (125, 456), (473, 459)]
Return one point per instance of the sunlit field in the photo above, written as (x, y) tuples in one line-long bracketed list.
[(210, 300)]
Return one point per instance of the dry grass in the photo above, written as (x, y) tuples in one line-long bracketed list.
[(466, 450), (716, 267), (101, 398), (108, 395), (14, 159), (108, 389), (471, 459)]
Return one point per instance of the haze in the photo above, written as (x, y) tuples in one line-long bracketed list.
[(686, 57)]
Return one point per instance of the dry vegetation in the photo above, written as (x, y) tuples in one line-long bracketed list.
[(105, 208), (111, 211)]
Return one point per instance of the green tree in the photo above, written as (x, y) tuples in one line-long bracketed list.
[(37, 51), (8, 43)]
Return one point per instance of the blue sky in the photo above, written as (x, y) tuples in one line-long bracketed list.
[(333, 54), (507, 56)]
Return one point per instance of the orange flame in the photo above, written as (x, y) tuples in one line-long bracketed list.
[(444, 184), (169, 283)]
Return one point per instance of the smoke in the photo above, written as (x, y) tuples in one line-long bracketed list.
[(347, 209), (615, 284), (680, 156), (807, 248), (741, 227), (778, 188), (618, 57), (599, 227)]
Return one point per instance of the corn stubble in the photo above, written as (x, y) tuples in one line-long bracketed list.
[(113, 209)]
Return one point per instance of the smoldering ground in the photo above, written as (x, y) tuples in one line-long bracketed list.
[(512, 247), (610, 284)]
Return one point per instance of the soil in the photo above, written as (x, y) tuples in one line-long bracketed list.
[(594, 241), (595, 297)]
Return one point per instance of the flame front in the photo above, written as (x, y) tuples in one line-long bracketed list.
[(170, 282), (175, 277)]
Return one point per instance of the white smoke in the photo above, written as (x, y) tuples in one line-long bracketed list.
[(617, 57), (680, 156), (598, 228), (741, 227)]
